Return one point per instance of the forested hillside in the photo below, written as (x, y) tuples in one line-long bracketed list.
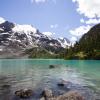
[(88, 47)]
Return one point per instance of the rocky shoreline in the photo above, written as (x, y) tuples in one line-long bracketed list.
[(66, 91), (47, 88)]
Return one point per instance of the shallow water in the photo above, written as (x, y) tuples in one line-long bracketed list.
[(35, 74)]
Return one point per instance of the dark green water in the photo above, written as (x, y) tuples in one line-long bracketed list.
[(28, 73)]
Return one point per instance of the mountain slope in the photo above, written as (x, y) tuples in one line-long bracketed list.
[(88, 46), (91, 40), (15, 39)]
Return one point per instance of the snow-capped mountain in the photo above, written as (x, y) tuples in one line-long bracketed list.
[(65, 43), (15, 38)]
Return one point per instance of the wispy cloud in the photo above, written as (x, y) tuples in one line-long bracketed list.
[(42, 1), (54, 26), (82, 20), (38, 1)]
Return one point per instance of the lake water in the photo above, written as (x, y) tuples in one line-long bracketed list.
[(35, 74)]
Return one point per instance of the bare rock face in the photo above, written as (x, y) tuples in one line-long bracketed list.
[(72, 95)]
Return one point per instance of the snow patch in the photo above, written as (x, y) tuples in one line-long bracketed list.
[(24, 28), (64, 42), (2, 20), (1, 49), (48, 33), (1, 29)]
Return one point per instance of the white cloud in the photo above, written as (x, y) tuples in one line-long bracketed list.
[(82, 20), (73, 39), (48, 33), (80, 30), (92, 21), (2, 20), (89, 8), (54, 26)]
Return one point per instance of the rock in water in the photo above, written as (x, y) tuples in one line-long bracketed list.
[(24, 93), (51, 66), (60, 84), (72, 95), (6, 86), (63, 83), (47, 93)]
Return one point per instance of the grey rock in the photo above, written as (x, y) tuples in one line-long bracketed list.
[(72, 95), (24, 93), (47, 93)]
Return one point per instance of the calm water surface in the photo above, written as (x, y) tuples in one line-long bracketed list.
[(32, 73)]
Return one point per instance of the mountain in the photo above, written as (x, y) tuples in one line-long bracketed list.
[(15, 39), (88, 47), (64, 42), (91, 40)]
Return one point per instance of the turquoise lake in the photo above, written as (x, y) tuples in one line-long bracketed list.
[(32, 73)]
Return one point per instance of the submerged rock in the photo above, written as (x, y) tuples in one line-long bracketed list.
[(47, 94), (60, 84), (24, 93), (72, 95), (51, 66), (64, 83), (6, 86)]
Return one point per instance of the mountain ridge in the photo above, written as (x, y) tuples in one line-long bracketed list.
[(15, 38)]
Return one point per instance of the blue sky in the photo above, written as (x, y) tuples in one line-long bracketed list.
[(65, 18)]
